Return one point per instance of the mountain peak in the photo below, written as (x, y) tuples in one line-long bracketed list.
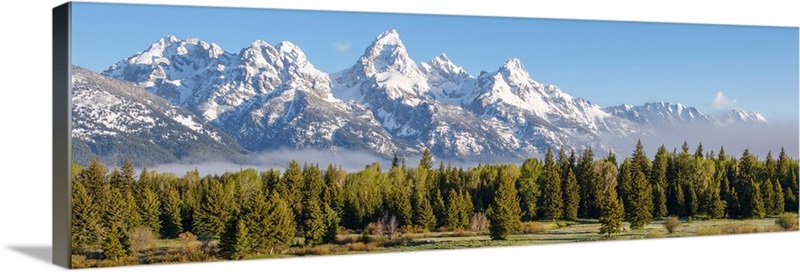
[(514, 70), (389, 37)]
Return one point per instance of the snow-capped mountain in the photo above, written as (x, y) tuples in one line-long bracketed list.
[(265, 96), (112, 119), (269, 97), (661, 114), (741, 116)]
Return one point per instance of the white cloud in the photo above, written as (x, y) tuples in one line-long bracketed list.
[(721, 102), (343, 47)]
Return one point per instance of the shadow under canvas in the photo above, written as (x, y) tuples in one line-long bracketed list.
[(42, 253)]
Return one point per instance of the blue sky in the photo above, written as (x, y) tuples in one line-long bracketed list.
[(607, 63)]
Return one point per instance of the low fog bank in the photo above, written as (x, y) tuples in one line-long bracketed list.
[(759, 138), (279, 159), (350, 161)]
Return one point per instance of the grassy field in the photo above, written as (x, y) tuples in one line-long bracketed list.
[(536, 233), (555, 232)]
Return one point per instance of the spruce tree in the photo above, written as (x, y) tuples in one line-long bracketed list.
[(641, 201), (587, 181), (550, 183), (171, 225), (768, 195), (529, 188), (212, 215), (658, 181), (611, 211), (423, 213), (235, 243), (278, 224), (114, 245), (571, 196), (752, 203), (778, 198), (85, 227), (290, 189), (314, 222), (150, 210), (504, 214)]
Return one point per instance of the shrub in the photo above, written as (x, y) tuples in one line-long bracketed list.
[(533, 228), (739, 228), (787, 221), (478, 222), (142, 238), (188, 241), (653, 234), (672, 224), (705, 231)]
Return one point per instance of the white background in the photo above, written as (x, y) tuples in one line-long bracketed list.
[(25, 94)]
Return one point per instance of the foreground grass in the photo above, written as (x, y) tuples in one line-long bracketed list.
[(553, 232)]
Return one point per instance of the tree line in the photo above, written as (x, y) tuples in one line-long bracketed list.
[(251, 212)]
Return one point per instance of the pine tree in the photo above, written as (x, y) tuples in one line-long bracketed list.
[(212, 215), (331, 222), (290, 189), (611, 212), (132, 215), (504, 214), (571, 196), (171, 225), (439, 207), (423, 213), (278, 224), (752, 203), (550, 183), (235, 243), (768, 196), (426, 162), (587, 181), (453, 214), (313, 223), (528, 187), (85, 227), (658, 181), (467, 209), (114, 245), (641, 201), (150, 209), (778, 197)]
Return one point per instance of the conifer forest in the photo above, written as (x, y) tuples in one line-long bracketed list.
[(126, 216)]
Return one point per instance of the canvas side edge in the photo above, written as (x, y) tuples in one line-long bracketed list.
[(62, 24)]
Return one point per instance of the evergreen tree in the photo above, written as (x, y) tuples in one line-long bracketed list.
[(550, 183), (290, 188), (658, 181), (150, 209), (778, 198), (504, 214), (426, 162), (611, 212), (768, 196), (467, 209), (314, 223), (439, 207), (85, 227), (278, 224), (587, 182), (641, 201), (571, 196), (331, 223), (171, 225), (116, 244), (528, 187), (212, 215), (453, 215), (423, 213), (235, 243), (132, 216), (752, 203)]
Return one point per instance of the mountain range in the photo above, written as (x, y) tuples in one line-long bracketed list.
[(269, 97)]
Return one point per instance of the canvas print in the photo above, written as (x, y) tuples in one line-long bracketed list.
[(208, 134)]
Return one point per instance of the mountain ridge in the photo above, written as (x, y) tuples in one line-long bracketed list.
[(269, 97)]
